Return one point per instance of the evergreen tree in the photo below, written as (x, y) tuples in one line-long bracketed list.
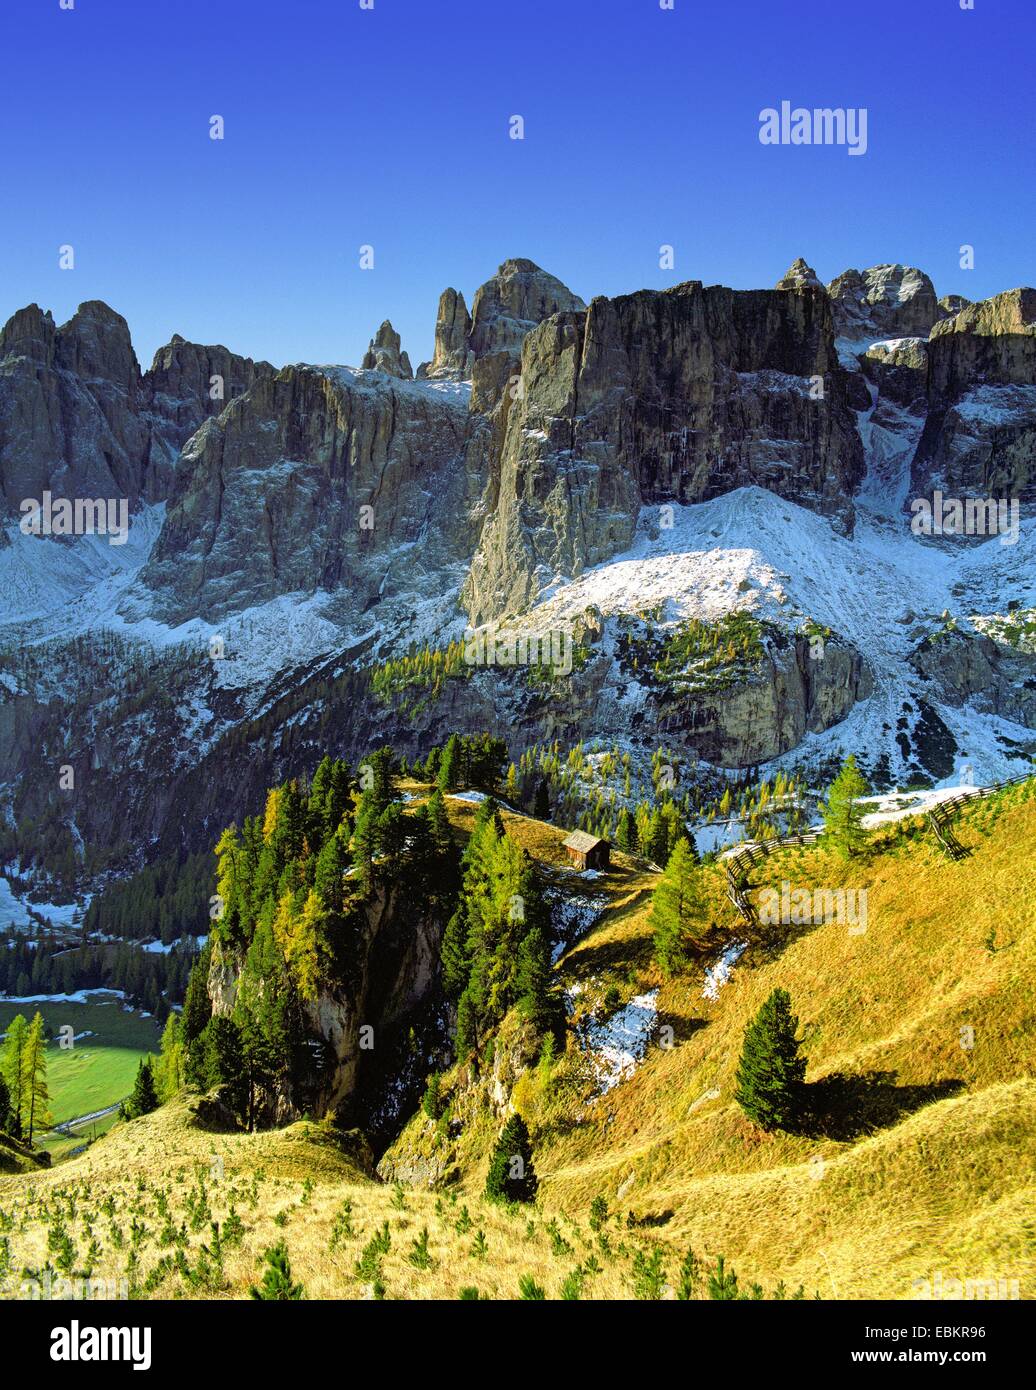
[(450, 765), (431, 1102), (277, 1283), (541, 801), (34, 1078), (226, 1061), (144, 1096), (455, 955), (842, 811), (466, 1040), (511, 1175), (365, 844), (12, 1067), (676, 910), (538, 1001), (771, 1074), (169, 1073), (6, 1113), (329, 881), (626, 832), (197, 1010), (656, 845)]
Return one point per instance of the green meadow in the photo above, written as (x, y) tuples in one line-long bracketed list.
[(98, 1070)]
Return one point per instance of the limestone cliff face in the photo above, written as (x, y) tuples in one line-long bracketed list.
[(77, 417), (313, 479), (506, 308), (188, 382), (72, 411), (788, 695), (980, 433), (799, 275), (676, 395)]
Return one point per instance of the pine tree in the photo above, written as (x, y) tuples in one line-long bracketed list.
[(365, 843), (676, 910), (432, 1102), (450, 769), (541, 801), (511, 1175), (12, 1067), (277, 1283), (197, 1010), (34, 1077), (771, 1074), (6, 1113), (455, 955), (226, 1067), (842, 811), (144, 1097), (537, 1000), (626, 832), (466, 1040), (169, 1074)]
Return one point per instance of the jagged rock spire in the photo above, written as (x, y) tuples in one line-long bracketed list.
[(385, 354), (451, 358)]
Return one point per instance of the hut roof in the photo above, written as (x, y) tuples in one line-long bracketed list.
[(581, 842)]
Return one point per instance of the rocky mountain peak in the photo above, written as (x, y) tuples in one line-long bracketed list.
[(78, 416), (385, 354), (95, 344), (514, 300), (799, 275), (885, 301), (29, 333)]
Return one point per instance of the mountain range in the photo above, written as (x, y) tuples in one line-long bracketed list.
[(613, 471)]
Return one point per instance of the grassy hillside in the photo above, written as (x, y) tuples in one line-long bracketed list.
[(917, 1157), (921, 1149)]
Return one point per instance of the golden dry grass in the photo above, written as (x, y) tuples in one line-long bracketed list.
[(920, 1158)]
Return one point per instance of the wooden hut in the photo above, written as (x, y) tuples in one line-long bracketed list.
[(587, 851)]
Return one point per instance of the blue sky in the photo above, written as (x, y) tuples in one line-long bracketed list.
[(390, 127)]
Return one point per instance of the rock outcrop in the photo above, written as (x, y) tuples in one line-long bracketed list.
[(512, 302), (486, 345), (385, 354), (980, 433), (452, 358), (899, 369), (886, 301), (188, 382), (799, 276), (785, 696), (972, 668), (676, 395), (73, 411), (397, 963)]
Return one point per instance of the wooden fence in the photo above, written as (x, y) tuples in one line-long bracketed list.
[(739, 863)]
